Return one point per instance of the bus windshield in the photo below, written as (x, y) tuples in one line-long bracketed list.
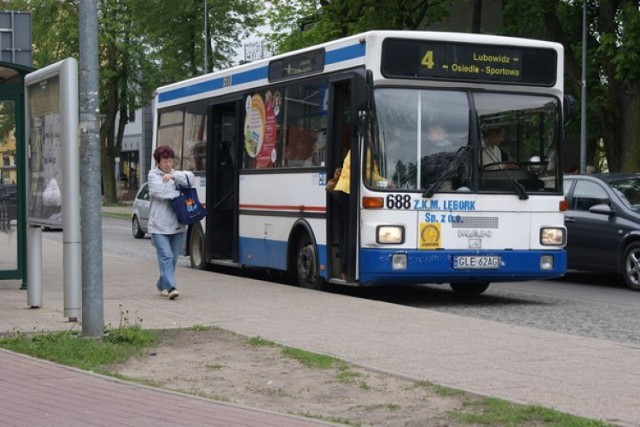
[(445, 140)]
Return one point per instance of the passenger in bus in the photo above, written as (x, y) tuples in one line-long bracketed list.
[(341, 200), (341, 194), (167, 234), (437, 141)]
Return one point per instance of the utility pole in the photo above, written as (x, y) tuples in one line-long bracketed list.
[(583, 107), (206, 38), (90, 177)]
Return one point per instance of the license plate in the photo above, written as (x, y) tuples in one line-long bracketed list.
[(476, 262)]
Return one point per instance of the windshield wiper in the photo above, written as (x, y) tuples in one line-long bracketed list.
[(520, 190), (522, 194), (452, 167)]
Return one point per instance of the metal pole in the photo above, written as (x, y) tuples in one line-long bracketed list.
[(34, 266), (90, 178), (206, 38), (583, 108), (71, 235)]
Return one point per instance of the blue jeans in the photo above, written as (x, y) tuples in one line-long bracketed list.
[(168, 248)]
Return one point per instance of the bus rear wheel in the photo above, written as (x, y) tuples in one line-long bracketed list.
[(469, 288), (306, 264), (196, 247)]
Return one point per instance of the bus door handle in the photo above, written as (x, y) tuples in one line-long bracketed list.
[(569, 219)]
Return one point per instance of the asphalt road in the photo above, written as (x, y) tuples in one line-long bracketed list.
[(582, 304)]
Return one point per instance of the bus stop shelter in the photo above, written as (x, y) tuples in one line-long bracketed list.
[(12, 172)]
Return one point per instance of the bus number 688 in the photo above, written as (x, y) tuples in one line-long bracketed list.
[(399, 201)]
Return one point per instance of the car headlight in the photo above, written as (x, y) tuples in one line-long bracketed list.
[(390, 234), (553, 236)]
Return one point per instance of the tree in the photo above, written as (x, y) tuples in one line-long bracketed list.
[(143, 44), (613, 66), (174, 33), (302, 23)]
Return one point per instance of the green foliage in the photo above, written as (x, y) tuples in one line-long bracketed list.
[(261, 342), (54, 27), (7, 119), (622, 45), (174, 34), (142, 45), (613, 68), (70, 348), (492, 411), (302, 23), (310, 359), (129, 335)]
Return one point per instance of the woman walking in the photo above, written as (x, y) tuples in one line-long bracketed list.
[(167, 234)]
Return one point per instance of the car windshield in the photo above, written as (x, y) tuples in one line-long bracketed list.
[(629, 191), (433, 140)]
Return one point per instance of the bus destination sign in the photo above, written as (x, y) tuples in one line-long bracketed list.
[(468, 62), (298, 65)]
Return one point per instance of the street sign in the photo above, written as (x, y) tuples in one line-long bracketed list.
[(15, 37)]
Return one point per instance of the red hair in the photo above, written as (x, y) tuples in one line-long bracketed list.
[(163, 152)]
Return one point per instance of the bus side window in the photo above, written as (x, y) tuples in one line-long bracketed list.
[(300, 147)]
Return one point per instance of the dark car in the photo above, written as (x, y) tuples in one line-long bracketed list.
[(603, 224)]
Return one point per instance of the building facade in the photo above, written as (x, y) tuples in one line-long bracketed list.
[(134, 161)]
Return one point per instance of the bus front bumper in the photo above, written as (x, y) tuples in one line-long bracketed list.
[(391, 267)]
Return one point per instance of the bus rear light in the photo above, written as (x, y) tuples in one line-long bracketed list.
[(372, 202), (399, 262), (390, 234), (564, 205), (546, 262), (553, 236)]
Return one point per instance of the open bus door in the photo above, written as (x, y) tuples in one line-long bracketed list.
[(349, 97), (221, 241), (343, 138)]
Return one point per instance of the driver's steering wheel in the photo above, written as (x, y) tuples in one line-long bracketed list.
[(501, 165)]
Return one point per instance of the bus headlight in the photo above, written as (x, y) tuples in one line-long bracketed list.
[(390, 234), (553, 236)]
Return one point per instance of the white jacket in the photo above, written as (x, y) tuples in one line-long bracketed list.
[(162, 218)]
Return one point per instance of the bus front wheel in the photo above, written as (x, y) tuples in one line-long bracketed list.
[(469, 288), (196, 247), (306, 264)]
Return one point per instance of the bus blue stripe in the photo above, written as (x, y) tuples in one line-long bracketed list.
[(250, 76), (272, 254), (332, 57), (194, 89), (345, 53)]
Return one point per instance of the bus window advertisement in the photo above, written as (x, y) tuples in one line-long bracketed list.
[(260, 128)]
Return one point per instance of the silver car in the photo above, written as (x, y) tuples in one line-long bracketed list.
[(140, 212)]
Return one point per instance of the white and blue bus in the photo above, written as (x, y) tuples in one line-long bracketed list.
[(433, 197)]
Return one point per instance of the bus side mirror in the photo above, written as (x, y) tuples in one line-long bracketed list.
[(569, 109)]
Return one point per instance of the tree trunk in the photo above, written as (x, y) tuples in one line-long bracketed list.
[(630, 135), (476, 16), (107, 162)]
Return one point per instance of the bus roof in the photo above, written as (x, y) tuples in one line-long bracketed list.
[(340, 54)]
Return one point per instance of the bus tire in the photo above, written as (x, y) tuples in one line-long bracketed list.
[(469, 288), (306, 264), (196, 247)]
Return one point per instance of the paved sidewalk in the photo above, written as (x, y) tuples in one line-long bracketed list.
[(583, 376)]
